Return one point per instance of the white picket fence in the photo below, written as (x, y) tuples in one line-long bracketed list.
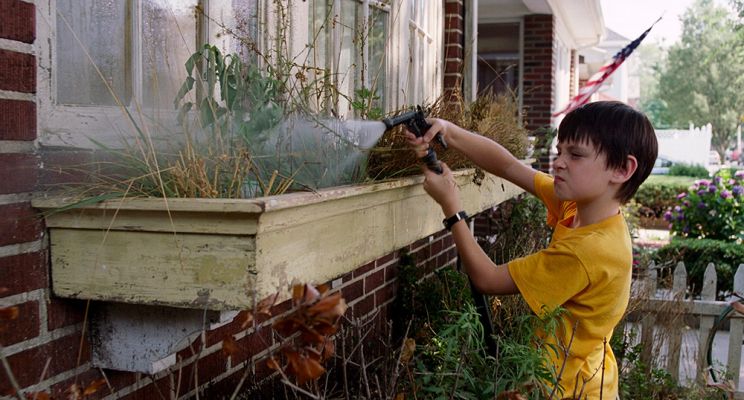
[(662, 317)]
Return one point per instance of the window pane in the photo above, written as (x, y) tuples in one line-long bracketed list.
[(233, 27), (168, 39), (498, 63), (377, 54), (347, 58), (102, 28)]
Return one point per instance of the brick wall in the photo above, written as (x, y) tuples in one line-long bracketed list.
[(454, 41), (46, 347), (539, 82)]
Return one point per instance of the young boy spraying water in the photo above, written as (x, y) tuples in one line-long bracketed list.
[(605, 151)]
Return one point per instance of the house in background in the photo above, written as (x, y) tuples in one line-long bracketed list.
[(51, 97)]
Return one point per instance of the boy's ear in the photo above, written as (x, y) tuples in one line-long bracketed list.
[(622, 174)]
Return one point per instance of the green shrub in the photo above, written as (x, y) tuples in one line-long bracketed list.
[(696, 254), (695, 171), (710, 209), (655, 196)]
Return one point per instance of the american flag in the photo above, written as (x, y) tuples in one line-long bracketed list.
[(597, 79)]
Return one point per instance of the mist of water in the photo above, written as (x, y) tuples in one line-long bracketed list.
[(325, 152)]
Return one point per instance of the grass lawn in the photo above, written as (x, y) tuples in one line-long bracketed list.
[(670, 180)]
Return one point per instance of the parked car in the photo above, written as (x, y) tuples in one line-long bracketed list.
[(661, 166)]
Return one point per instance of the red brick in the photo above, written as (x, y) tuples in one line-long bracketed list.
[(28, 364), (17, 71), (453, 36), (17, 21), (352, 291), (385, 294), (159, 389), (208, 367), (24, 328), (18, 119), (364, 269), (64, 312), (391, 272), (23, 273), (453, 7), (18, 172), (63, 390), (19, 223), (253, 344), (384, 260), (363, 307), (374, 281)]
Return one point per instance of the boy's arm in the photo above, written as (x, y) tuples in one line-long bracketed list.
[(487, 277), (482, 151)]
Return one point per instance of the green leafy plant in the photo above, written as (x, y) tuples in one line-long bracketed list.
[(658, 193), (692, 170), (710, 209)]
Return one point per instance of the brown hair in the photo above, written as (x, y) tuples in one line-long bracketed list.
[(616, 130)]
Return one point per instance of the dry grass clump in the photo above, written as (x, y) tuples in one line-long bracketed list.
[(490, 115)]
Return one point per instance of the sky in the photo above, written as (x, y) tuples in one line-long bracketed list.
[(631, 17)]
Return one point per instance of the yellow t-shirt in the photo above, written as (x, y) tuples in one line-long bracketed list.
[(587, 270)]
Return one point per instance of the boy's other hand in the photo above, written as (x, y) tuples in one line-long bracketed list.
[(420, 145), (443, 189)]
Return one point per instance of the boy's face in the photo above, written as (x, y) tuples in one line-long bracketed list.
[(581, 174)]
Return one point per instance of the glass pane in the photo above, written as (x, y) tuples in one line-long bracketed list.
[(102, 28), (168, 40), (233, 27), (378, 34), (349, 52)]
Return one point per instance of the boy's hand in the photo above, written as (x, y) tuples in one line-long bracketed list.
[(420, 145), (443, 189)]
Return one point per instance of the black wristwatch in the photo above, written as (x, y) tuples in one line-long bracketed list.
[(448, 222)]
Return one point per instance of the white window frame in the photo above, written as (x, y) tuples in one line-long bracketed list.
[(74, 125)]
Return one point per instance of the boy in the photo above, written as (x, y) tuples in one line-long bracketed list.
[(605, 151)]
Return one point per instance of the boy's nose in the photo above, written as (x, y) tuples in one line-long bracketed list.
[(558, 163)]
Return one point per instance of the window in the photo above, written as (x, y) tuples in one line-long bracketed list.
[(425, 68), (108, 57), (107, 60), (348, 39), (499, 58)]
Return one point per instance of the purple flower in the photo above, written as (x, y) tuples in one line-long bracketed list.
[(718, 179), (725, 194), (668, 216), (677, 208), (738, 190), (681, 195), (703, 182), (739, 174), (712, 189), (731, 181), (686, 203), (680, 216), (701, 192), (701, 205)]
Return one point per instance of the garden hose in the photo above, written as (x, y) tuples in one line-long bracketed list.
[(484, 313), (709, 342)]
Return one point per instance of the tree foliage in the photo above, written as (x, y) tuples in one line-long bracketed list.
[(703, 77)]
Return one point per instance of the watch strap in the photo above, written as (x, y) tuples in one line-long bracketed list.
[(448, 222)]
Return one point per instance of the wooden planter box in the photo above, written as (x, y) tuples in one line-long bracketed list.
[(225, 254)]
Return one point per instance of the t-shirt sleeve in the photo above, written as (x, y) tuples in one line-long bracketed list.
[(546, 193), (549, 277)]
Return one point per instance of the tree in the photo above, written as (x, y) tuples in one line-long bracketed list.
[(703, 79)]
